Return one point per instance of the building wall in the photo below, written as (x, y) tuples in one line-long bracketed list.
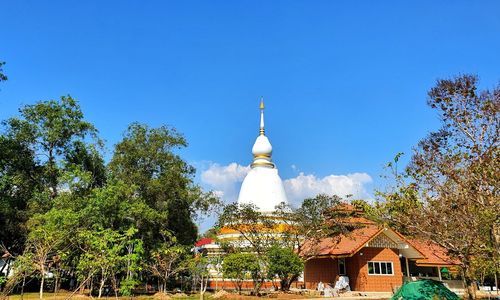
[(359, 278), (320, 269), (326, 271), (228, 284)]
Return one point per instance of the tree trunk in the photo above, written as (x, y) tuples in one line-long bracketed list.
[(56, 281), (115, 286), (203, 287), (471, 292), (41, 286), (256, 286), (496, 281), (101, 286), (285, 284), (91, 287), (24, 283)]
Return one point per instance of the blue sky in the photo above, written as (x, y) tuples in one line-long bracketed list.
[(345, 82)]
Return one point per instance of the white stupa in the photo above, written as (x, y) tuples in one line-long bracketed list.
[(262, 186)]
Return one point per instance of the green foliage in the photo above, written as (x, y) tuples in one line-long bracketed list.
[(250, 223), (449, 192), (287, 228), (146, 160), (88, 158), (285, 264), (199, 270), (3, 77), (32, 162), (168, 259), (127, 286), (19, 181), (316, 218), (69, 213), (240, 266), (49, 129)]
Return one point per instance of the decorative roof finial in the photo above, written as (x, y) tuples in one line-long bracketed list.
[(261, 115)]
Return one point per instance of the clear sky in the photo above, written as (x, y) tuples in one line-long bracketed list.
[(345, 82)]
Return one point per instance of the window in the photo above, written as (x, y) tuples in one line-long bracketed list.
[(342, 266), (380, 268)]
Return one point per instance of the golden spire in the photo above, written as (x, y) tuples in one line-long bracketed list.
[(261, 115)]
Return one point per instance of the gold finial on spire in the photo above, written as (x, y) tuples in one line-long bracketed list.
[(262, 116)]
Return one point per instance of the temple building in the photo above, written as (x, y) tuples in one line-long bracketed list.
[(372, 258), (262, 187)]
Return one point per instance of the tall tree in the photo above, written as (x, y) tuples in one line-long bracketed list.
[(19, 180), (146, 159), (49, 129), (449, 193), (34, 147)]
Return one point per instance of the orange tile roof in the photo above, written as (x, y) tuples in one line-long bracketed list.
[(348, 245), (343, 245), (434, 254)]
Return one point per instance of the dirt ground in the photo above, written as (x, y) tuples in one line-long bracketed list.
[(228, 296), (208, 296)]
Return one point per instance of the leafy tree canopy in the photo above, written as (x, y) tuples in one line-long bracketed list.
[(285, 264), (449, 192), (145, 159)]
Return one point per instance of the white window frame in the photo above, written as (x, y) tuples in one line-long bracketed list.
[(380, 268)]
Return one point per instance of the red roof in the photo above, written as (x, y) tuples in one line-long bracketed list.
[(203, 241), (348, 245), (434, 254), (343, 245)]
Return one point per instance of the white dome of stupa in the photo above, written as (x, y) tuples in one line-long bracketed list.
[(262, 146), (262, 186)]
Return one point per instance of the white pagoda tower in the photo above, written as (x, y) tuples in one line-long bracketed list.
[(262, 186)]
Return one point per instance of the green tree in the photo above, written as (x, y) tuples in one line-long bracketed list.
[(47, 238), (241, 266), (19, 181), (199, 269), (168, 259), (316, 218), (89, 159), (145, 159), (449, 192), (293, 229), (102, 255), (255, 228), (49, 129), (38, 147), (285, 264)]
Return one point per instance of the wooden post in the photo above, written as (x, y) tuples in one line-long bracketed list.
[(439, 274), (407, 268)]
